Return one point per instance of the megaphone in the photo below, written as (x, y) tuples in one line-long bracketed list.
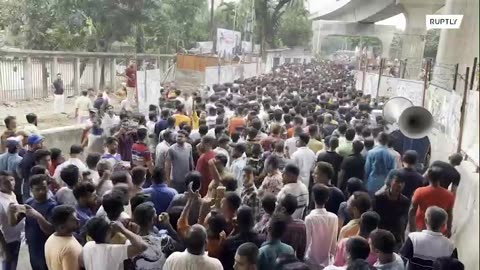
[(414, 122)]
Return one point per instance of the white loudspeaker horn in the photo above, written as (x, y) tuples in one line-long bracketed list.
[(413, 121)]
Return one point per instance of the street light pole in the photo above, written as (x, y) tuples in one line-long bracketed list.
[(212, 32)]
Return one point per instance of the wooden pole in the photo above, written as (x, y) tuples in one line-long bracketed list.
[(462, 111), (425, 80), (474, 69)]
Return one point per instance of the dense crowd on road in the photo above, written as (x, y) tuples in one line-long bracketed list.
[(288, 170)]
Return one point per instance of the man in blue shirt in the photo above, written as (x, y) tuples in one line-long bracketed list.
[(160, 193), (378, 164), (9, 160), (86, 198), (35, 142), (162, 124), (37, 212), (273, 247)]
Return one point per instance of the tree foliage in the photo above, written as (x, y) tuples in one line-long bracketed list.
[(431, 43), (94, 25), (295, 28), (162, 26)]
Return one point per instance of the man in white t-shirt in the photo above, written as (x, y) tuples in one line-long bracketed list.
[(291, 143), (75, 153), (98, 254), (194, 257), (83, 104), (304, 158), (291, 185), (11, 234)]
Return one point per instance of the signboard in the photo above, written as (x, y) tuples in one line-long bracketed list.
[(148, 89), (412, 90), (445, 106), (388, 86), (228, 42), (371, 85)]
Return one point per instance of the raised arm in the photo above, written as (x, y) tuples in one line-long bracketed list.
[(168, 166), (137, 244), (13, 217), (411, 216), (182, 224), (105, 176), (45, 226), (215, 174)]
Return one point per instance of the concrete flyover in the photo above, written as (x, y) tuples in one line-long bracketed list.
[(363, 11), (371, 11), (323, 28)]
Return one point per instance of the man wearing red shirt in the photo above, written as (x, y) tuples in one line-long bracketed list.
[(131, 75), (431, 195), (202, 163), (141, 155)]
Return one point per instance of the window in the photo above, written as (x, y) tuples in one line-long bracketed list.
[(288, 60), (276, 61), (297, 60)]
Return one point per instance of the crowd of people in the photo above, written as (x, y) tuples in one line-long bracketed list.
[(288, 170)]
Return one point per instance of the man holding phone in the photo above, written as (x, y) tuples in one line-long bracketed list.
[(10, 236)]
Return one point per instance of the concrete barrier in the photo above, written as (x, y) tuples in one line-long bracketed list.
[(63, 137)]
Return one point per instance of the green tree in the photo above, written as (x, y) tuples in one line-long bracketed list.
[(268, 14), (177, 24), (225, 16), (295, 28), (431, 43)]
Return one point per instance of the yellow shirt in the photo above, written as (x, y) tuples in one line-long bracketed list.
[(83, 104), (351, 229), (61, 252), (195, 121), (315, 145), (180, 118)]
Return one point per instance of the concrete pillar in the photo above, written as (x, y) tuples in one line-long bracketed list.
[(54, 69), (27, 78), (413, 39), (113, 74), (458, 46), (76, 76), (386, 43), (317, 38), (45, 85), (96, 74)]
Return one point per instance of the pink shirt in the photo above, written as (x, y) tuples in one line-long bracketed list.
[(322, 230), (341, 256)]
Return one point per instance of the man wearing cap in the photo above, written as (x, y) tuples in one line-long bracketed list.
[(83, 104), (34, 142)]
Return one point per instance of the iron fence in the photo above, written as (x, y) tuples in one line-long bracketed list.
[(40, 68)]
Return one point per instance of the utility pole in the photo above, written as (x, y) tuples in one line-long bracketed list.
[(212, 30), (250, 25)]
